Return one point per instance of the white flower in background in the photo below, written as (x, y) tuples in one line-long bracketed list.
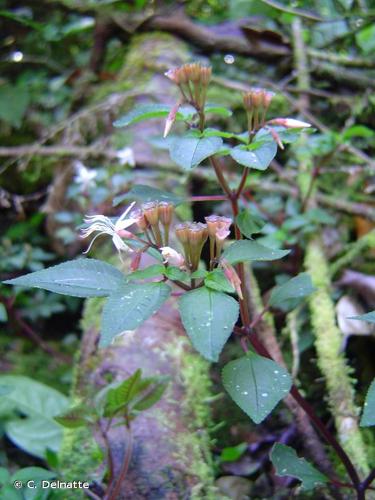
[(84, 175), (172, 257), (104, 225), (126, 157)]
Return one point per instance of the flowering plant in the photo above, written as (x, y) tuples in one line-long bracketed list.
[(213, 300)]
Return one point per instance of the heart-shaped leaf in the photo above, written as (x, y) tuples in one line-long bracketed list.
[(78, 278), (256, 384), (287, 463), (257, 155), (246, 251), (298, 287), (190, 150), (208, 317), (368, 416), (129, 306)]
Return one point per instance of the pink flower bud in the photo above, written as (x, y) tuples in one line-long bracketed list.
[(171, 118), (289, 123), (123, 233), (172, 257), (232, 277)]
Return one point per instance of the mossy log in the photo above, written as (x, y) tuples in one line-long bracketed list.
[(171, 452)]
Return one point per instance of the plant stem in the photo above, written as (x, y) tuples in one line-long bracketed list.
[(242, 182), (220, 177), (114, 495), (369, 479)]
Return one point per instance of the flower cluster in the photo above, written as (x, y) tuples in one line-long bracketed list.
[(193, 80), (256, 103)]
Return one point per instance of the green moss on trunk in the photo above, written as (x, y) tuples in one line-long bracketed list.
[(331, 361)]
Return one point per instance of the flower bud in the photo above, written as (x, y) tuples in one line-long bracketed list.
[(172, 257), (232, 277), (182, 233), (211, 221), (289, 123), (166, 211), (171, 118), (151, 212)]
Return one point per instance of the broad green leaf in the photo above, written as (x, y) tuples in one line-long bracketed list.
[(208, 318), (256, 384), (249, 223), (297, 287), (287, 463), (145, 112), (369, 317), (149, 272), (199, 273), (258, 155), (39, 403), (368, 415), (190, 150), (153, 395), (358, 130), (78, 278), (216, 280), (74, 417), (287, 135), (4, 476), (143, 193), (246, 251), (130, 306)]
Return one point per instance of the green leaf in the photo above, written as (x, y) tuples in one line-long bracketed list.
[(35, 473), (216, 280), (145, 112), (4, 476), (121, 395), (78, 278), (258, 155), (256, 384), (199, 273), (249, 223), (208, 318), (149, 272), (297, 287), (174, 273), (287, 463), (369, 317), (366, 39), (153, 395), (190, 150), (218, 110), (368, 415), (233, 453), (74, 417), (358, 130), (143, 193), (246, 251), (130, 306), (39, 404)]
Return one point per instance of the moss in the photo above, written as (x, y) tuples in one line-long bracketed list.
[(193, 448), (331, 362), (362, 244)]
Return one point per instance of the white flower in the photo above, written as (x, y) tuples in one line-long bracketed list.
[(104, 225), (172, 257), (126, 157), (84, 175)]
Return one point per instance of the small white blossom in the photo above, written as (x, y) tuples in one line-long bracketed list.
[(84, 175), (126, 157), (104, 225), (289, 123)]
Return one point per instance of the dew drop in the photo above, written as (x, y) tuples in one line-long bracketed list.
[(264, 394)]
